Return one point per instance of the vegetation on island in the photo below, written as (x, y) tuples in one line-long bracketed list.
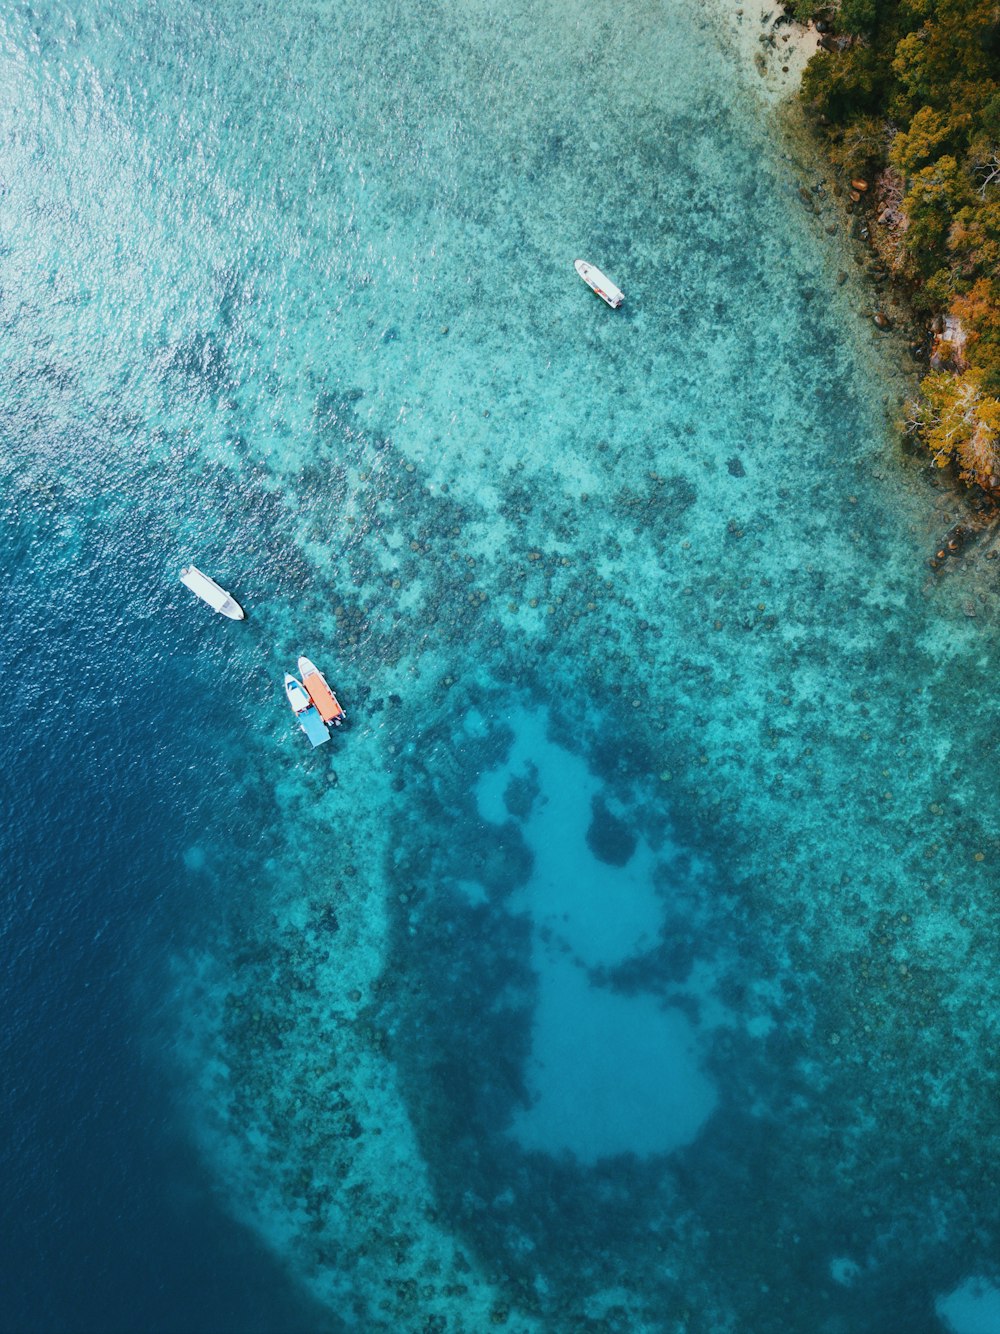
[(907, 93)]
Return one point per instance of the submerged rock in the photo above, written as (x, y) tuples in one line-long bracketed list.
[(521, 793), (609, 838)]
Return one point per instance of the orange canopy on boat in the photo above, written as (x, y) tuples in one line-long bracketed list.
[(323, 697)]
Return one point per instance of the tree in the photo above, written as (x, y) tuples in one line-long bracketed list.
[(935, 195), (839, 84), (959, 423), (975, 240), (987, 168), (861, 151), (952, 46), (915, 147), (860, 16), (978, 310)]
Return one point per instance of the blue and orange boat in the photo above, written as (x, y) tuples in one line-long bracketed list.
[(326, 702), (305, 711)]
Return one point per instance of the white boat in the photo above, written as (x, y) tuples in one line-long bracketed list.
[(306, 713), (599, 283), (328, 705), (212, 593)]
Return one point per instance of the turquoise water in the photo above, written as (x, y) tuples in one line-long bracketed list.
[(629, 961)]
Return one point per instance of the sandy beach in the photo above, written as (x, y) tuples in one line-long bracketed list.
[(772, 50)]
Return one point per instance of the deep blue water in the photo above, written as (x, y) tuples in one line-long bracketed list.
[(110, 765)]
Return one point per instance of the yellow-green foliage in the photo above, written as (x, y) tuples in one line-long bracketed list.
[(935, 195), (862, 149), (960, 423), (928, 71), (978, 311), (975, 238), (928, 134)]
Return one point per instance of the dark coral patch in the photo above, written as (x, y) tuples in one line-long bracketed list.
[(521, 793), (609, 839)]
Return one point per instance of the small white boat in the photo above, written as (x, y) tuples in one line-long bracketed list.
[(306, 713), (212, 593), (599, 283)]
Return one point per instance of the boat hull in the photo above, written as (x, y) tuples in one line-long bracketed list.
[(329, 706), (205, 587), (306, 713), (600, 283)]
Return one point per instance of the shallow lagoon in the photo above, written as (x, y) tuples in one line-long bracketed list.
[(669, 775), (607, 1073)]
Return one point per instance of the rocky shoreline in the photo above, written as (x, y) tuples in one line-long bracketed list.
[(772, 43), (870, 218), (866, 215)]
